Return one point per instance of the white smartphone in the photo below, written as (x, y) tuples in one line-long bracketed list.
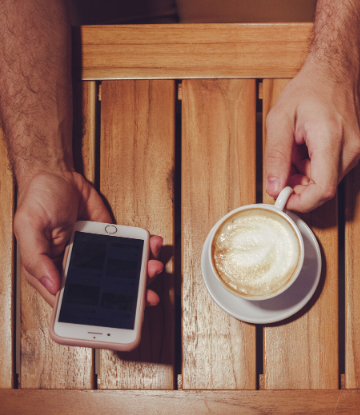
[(102, 297)]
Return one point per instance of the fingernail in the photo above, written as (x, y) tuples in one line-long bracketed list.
[(273, 185), (47, 284)]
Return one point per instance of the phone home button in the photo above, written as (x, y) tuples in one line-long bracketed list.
[(111, 229)]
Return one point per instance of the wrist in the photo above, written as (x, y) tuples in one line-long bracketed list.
[(319, 68), (25, 176), (36, 160), (335, 47)]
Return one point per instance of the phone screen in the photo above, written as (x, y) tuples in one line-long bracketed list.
[(102, 282)]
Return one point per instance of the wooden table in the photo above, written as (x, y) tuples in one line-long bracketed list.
[(168, 127)]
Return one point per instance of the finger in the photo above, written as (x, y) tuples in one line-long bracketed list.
[(151, 298), (278, 152), (93, 208), (305, 199), (35, 253), (324, 178), (298, 180), (49, 298), (309, 198), (154, 269), (299, 183), (155, 246)]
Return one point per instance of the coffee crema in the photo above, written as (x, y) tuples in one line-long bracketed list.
[(255, 252)]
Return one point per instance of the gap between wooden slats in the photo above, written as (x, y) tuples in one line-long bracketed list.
[(85, 101), (137, 180), (7, 278), (302, 352), (218, 175), (352, 279), (44, 363)]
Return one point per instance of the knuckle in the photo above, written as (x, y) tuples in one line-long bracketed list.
[(328, 193), (335, 128), (275, 157)]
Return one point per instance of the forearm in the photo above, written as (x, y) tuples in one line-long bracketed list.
[(35, 86), (336, 43)]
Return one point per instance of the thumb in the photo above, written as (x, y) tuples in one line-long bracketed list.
[(40, 270), (278, 151), (93, 208)]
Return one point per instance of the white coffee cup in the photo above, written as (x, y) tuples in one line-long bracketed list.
[(256, 251)]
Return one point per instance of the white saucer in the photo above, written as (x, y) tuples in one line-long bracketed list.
[(277, 308)]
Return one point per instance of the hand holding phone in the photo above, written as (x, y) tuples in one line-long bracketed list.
[(102, 297)]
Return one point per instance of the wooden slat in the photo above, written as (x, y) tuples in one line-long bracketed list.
[(137, 165), (7, 278), (191, 51), (44, 363), (305, 402), (218, 175), (352, 279), (302, 352)]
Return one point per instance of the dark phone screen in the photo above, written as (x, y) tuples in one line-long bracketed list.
[(102, 282)]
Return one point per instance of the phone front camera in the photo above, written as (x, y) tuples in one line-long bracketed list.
[(108, 334)]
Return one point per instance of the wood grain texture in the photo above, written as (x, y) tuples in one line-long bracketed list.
[(352, 279), (303, 402), (44, 363), (302, 352), (137, 180), (218, 175), (7, 277), (85, 98), (190, 51)]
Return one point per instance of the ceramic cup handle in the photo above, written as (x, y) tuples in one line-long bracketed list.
[(283, 197)]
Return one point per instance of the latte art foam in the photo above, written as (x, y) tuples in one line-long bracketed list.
[(255, 252)]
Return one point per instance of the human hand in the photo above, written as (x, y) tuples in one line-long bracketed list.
[(313, 137), (47, 210)]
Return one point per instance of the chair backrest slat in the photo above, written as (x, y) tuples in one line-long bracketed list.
[(44, 363), (218, 175), (191, 51), (303, 352), (137, 179)]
